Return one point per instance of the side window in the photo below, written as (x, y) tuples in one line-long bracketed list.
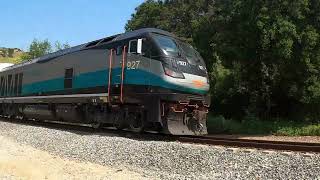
[(20, 83), (133, 44), (68, 76), (15, 87), (119, 50)]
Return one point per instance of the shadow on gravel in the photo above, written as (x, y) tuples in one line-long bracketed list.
[(86, 130)]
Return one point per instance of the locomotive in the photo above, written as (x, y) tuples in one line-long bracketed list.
[(143, 80)]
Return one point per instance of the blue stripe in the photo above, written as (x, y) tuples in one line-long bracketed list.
[(92, 79), (99, 78)]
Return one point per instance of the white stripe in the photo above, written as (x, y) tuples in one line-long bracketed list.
[(57, 96)]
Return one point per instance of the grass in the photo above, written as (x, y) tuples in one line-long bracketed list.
[(254, 126), (14, 60)]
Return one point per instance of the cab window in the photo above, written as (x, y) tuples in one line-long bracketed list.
[(133, 44)]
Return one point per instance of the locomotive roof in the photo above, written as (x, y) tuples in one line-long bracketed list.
[(140, 32), (118, 37)]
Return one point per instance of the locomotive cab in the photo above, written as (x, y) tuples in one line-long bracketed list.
[(181, 64), (179, 79)]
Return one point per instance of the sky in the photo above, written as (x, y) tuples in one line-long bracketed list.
[(71, 21)]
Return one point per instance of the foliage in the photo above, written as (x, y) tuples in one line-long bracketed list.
[(251, 125), (10, 52), (25, 56), (263, 56), (59, 46), (39, 48)]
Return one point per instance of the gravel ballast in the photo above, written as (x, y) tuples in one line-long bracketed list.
[(165, 160)]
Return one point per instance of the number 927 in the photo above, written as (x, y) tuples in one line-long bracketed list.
[(133, 65)]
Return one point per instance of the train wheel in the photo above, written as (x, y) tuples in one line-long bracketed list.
[(96, 125), (118, 121), (135, 122)]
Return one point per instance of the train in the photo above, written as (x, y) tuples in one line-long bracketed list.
[(142, 80)]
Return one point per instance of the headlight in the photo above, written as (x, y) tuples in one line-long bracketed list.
[(173, 73)]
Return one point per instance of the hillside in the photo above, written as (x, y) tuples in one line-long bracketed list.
[(10, 55)]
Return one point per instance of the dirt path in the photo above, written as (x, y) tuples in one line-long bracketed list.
[(24, 162)]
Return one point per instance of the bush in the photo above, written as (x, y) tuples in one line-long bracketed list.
[(308, 130), (251, 125)]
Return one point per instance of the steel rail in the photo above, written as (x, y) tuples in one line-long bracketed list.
[(259, 144)]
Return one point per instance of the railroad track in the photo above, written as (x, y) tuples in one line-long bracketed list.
[(259, 144), (209, 140)]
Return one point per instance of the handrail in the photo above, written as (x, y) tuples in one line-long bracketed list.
[(110, 71), (124, 55)]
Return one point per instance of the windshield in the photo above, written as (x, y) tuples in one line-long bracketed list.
[(167, 44), (191, 54), (174, 47)]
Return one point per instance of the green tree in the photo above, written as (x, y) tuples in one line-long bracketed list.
[(25, 56), (58, 46), (263, 56), (38, 48), (148, 14), (10, 52)]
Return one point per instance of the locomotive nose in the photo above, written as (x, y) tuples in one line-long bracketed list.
[(198, 83)]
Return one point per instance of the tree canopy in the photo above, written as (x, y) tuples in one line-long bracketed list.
[(39, 48), (263, 55)]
